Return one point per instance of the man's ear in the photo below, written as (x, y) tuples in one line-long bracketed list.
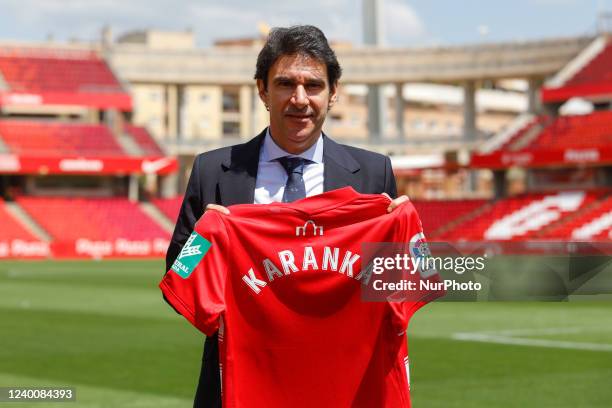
[(262, 91), (333, 95)]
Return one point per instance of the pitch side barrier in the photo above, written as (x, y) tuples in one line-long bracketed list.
[(84, 249), (486, 271)]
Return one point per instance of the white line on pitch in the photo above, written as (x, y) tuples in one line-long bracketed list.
[(518, 341)]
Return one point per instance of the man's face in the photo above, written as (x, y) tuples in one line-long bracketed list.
[(298, 98)]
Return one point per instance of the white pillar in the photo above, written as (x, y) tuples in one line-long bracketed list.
[(399, 110), (533, 93), (133, 188), (169, 185), (469, 111), (373, 35)]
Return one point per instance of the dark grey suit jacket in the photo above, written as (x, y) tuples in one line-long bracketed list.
[(227, 176)]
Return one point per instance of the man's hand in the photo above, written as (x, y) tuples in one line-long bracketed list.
[(397, 202), (217, 207)]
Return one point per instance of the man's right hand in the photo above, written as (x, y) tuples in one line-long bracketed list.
[(217, 207)]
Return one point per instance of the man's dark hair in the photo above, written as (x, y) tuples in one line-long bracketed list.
[(297, 40)]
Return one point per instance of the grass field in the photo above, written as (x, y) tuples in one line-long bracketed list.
[(103, 328)]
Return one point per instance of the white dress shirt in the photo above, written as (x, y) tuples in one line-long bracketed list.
[(272, 177)]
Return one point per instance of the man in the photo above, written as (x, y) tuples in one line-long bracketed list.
[(297, 77)]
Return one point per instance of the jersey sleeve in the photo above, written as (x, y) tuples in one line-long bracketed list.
[(195, 283), (412, 235)]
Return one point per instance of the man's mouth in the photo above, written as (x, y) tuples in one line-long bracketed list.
[(298, 116)]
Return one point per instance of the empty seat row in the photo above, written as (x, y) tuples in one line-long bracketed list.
[(169, 206), (58, 139), (92, 218), (49, 73), (518, 218), (11, 227)]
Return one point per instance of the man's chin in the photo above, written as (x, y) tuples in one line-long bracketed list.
[(300, 141)]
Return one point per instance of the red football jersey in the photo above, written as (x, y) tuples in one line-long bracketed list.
[(283, 285)]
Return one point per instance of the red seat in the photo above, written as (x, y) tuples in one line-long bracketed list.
[(58, 139), (579, 131), (169, 207), (596, 71), (93, 218), (11, 228), (70, 71), (566, 230), (436, 214), (144, 140), (481, 227)]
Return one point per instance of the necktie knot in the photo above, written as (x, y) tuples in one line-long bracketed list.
[(294, 188), (292, 164)]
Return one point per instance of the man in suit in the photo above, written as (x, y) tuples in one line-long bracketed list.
[(297, 78)]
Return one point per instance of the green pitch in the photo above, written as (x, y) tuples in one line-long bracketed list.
[(103, 328)]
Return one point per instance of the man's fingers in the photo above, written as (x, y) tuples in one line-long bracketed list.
[(397, 202), (217, 207)]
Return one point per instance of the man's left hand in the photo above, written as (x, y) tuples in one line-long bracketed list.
[(396, 202)]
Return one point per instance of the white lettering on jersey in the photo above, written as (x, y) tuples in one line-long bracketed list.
[(347, 263), (309, 259), (271, 270), (310, 262), (330, 259), (287, 261), (253, 282)]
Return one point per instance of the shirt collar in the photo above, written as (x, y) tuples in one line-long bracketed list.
[(270, 151)]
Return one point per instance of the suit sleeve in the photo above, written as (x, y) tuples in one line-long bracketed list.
[(390, 185), (195, 283), (412, 235), (191, 210)]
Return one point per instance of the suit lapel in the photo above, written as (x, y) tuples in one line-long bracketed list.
[(239, 171), (340, 169)]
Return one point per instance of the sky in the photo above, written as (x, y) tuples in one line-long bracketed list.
[(407, 23)]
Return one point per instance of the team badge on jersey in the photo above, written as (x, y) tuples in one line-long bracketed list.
[(192, 253), (420, 249)]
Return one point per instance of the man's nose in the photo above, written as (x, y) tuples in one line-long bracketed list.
[(300, 97)]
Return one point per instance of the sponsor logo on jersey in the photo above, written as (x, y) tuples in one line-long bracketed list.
[(192, 253)]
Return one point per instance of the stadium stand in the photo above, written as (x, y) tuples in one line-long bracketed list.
[(573, 131), (169, 207), (593, 79), (509, 144), (11, 228), (144, 140), (578, 131), (593, 223), (597, 71), (38, 70), (58, 139), (437, 214), (519, 217), (91, 218)]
